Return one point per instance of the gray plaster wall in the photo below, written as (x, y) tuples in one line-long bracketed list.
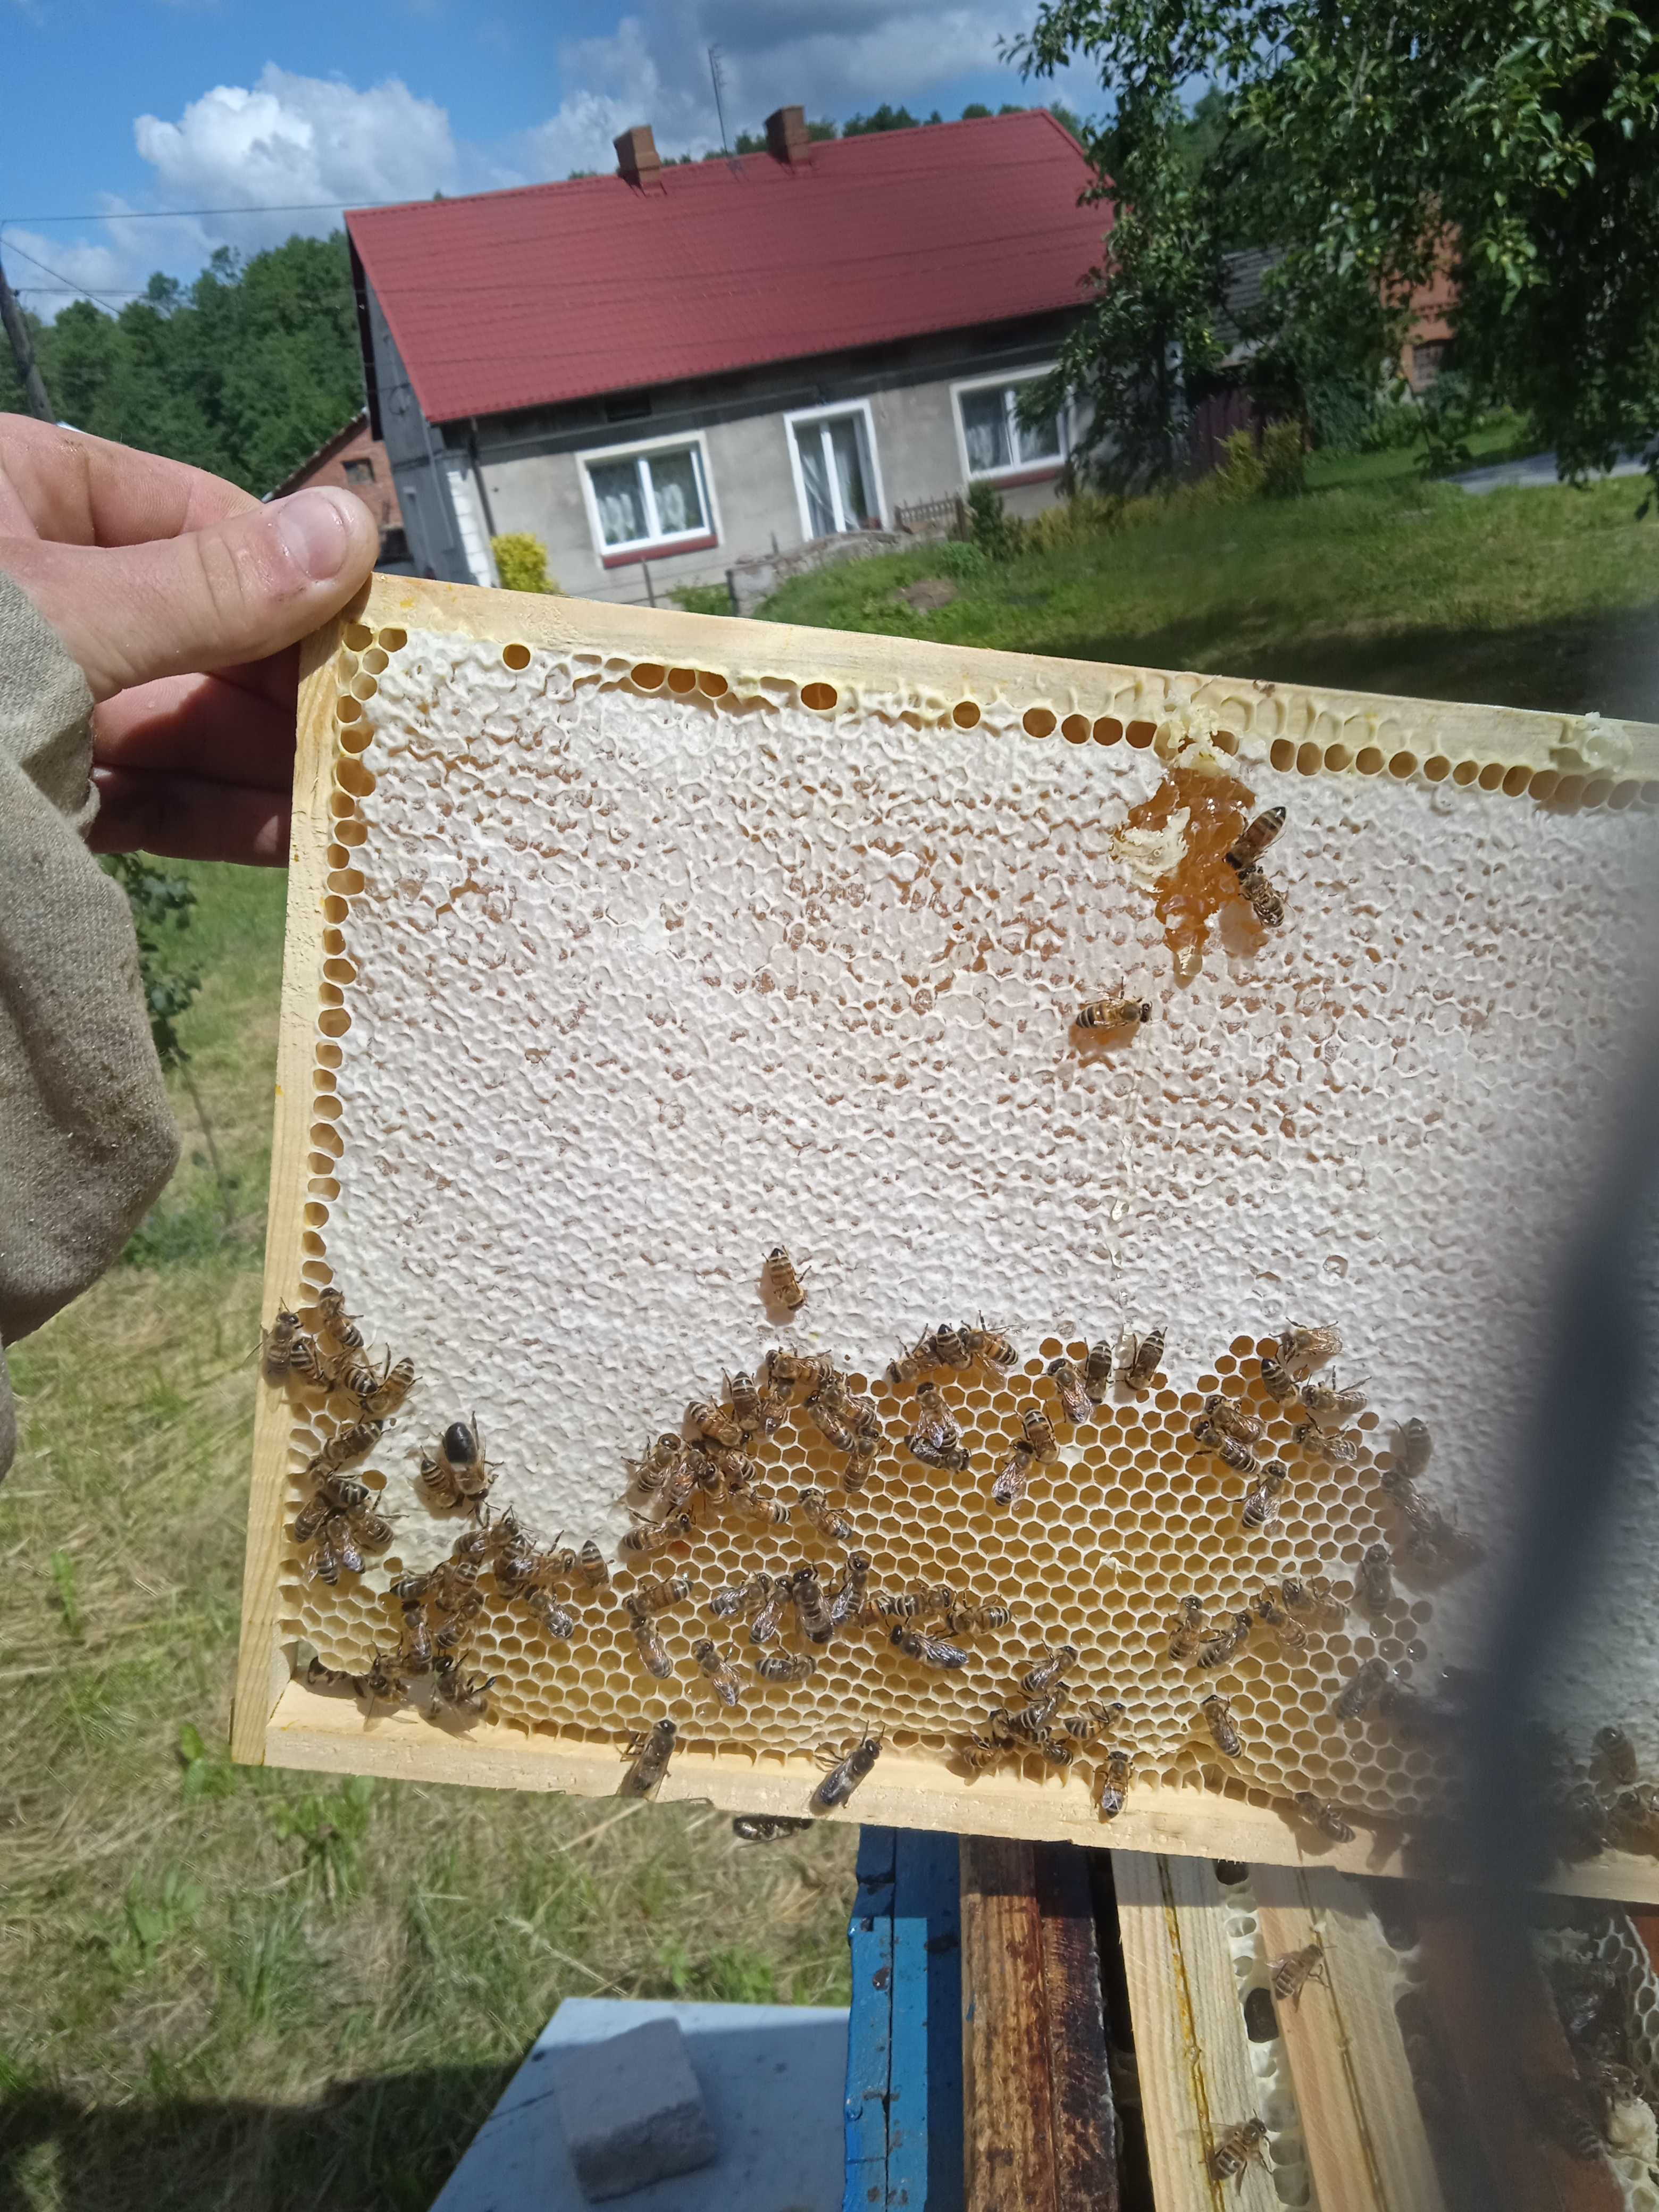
[(530, 472)]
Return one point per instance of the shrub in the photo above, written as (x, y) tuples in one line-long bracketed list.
[(1241, 475), (1076, 521), (521, 563), (703, 598), (996, 532), (1284, 460)]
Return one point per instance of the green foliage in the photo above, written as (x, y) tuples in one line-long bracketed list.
[(995, 532), (885, 117), (521, 563), (161, 907), (1240, 474), (1514, 144), (703, 598), (330, 1827), (63, 1583), (151, 1918), (202, 1773), (1284, 460), (244, 372), (1448, 413)]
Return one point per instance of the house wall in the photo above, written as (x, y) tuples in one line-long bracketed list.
[(529, 476)]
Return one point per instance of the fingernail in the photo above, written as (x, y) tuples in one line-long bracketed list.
[(315, 529)]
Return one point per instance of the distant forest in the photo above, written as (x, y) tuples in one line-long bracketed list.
[(252, 367)]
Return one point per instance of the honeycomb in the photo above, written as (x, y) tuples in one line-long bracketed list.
[(629, 972)]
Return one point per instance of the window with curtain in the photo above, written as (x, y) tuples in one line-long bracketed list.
[(996, 439), (645, 498), (836, 474)]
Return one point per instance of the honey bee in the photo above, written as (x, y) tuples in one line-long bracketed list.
[(647, 1642), (785, 1666), (1302, 1349), (640, 1542), (749, 1410), (1278, 1383), (1187, 1634), (1362, 1689), (280, 1341), (350, 1443), (976, 1619), (351, 1379), (836, 1431), (1562, 2113), (1138, 1371), (1028, 1721), (1088, 1725), (848, 1598), (1013, 1475), (1413, 1447), (845, 1774), (1113, 1017), (949, 1345), (856, 1472), (1375, 1578), (1331, 1407), (558, 1622), (755, 1498), (932, 1650), (382, 1684), (713, 1424), (1236, 2148), (1075, 1401), (783, 1282), (1260, 1506), (1232, 1420), (1341, 1446), (1267, 904), (767, 1619), (1291, 1971), (1433, 1539), (723, 1677), (811, 1607), (1219, 1713), (815, 1369), (1209, 1437), (465, 1692), (658, 1596), (1112, 1782), (645, 1474), (1291, 1633), (653, 1748), (737, 1599), (1314, 1597), (450, 1585), (1097, 1372), (1223, 1643), (1616, 1755), (1039, 1431), (991, 1345), (591, 1567), (457, 1474), (335, 1493), (977, 1752), (936, 1440), (1056, 1663), (1580, 1826), (1415, 1715), (342, 1540), (1319, 1813), (334, 1322), (908, 1366), (765, 1827), (1248, 848), (389, 1393), (1635, 1816)]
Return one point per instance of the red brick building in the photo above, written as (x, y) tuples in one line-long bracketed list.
[(356, 459)]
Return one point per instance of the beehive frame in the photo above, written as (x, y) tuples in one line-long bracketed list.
[(1569, 764)]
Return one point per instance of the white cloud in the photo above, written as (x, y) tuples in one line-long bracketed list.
[(39, 267)]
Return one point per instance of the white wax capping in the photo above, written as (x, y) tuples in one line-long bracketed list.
[(647, 985)]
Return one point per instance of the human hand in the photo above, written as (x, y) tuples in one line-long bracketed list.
[(183, 599)]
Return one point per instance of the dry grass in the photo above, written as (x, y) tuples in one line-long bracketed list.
[(230, 1987)]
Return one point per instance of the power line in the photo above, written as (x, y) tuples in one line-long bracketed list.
[(68, 282), (174, 215)]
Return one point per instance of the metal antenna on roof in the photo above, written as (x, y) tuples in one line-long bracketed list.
[(719, 105)]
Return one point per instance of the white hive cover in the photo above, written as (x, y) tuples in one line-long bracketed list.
[(645, 982)]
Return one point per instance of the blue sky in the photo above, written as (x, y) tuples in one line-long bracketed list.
[(170, 107)]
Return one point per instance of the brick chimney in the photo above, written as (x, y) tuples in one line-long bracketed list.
[(786, 137), (638, 162)]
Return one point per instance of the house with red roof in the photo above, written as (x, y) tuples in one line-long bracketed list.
[(663, 371)]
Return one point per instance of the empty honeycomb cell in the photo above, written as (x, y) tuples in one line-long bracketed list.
[(821, 697), (1107, 730), (515, 656), (965, 714), (1370, 761), (1038, 722), (393, 639), (356, 636)]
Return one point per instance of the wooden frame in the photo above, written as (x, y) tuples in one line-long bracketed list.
[(1346, 732)]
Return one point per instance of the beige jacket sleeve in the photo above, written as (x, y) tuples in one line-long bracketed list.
[(87, 1139)]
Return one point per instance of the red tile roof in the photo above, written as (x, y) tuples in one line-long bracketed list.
[(522, 298)]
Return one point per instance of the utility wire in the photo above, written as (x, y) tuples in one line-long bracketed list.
[(68, 282)]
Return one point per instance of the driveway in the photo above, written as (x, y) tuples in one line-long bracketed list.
[(1536, 469)]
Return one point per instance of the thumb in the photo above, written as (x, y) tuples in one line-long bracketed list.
[(234, 591)]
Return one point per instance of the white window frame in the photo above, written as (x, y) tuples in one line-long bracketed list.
[(827, 414), (636, 449), (1009, 380)]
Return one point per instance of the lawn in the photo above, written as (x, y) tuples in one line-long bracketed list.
[(226, 1987), (1525, 598)]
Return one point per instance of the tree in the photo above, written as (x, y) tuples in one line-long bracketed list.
[(882, 118), (1512, 143)]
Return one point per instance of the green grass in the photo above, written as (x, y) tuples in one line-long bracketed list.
[(236, 1988), (1546, 599)]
